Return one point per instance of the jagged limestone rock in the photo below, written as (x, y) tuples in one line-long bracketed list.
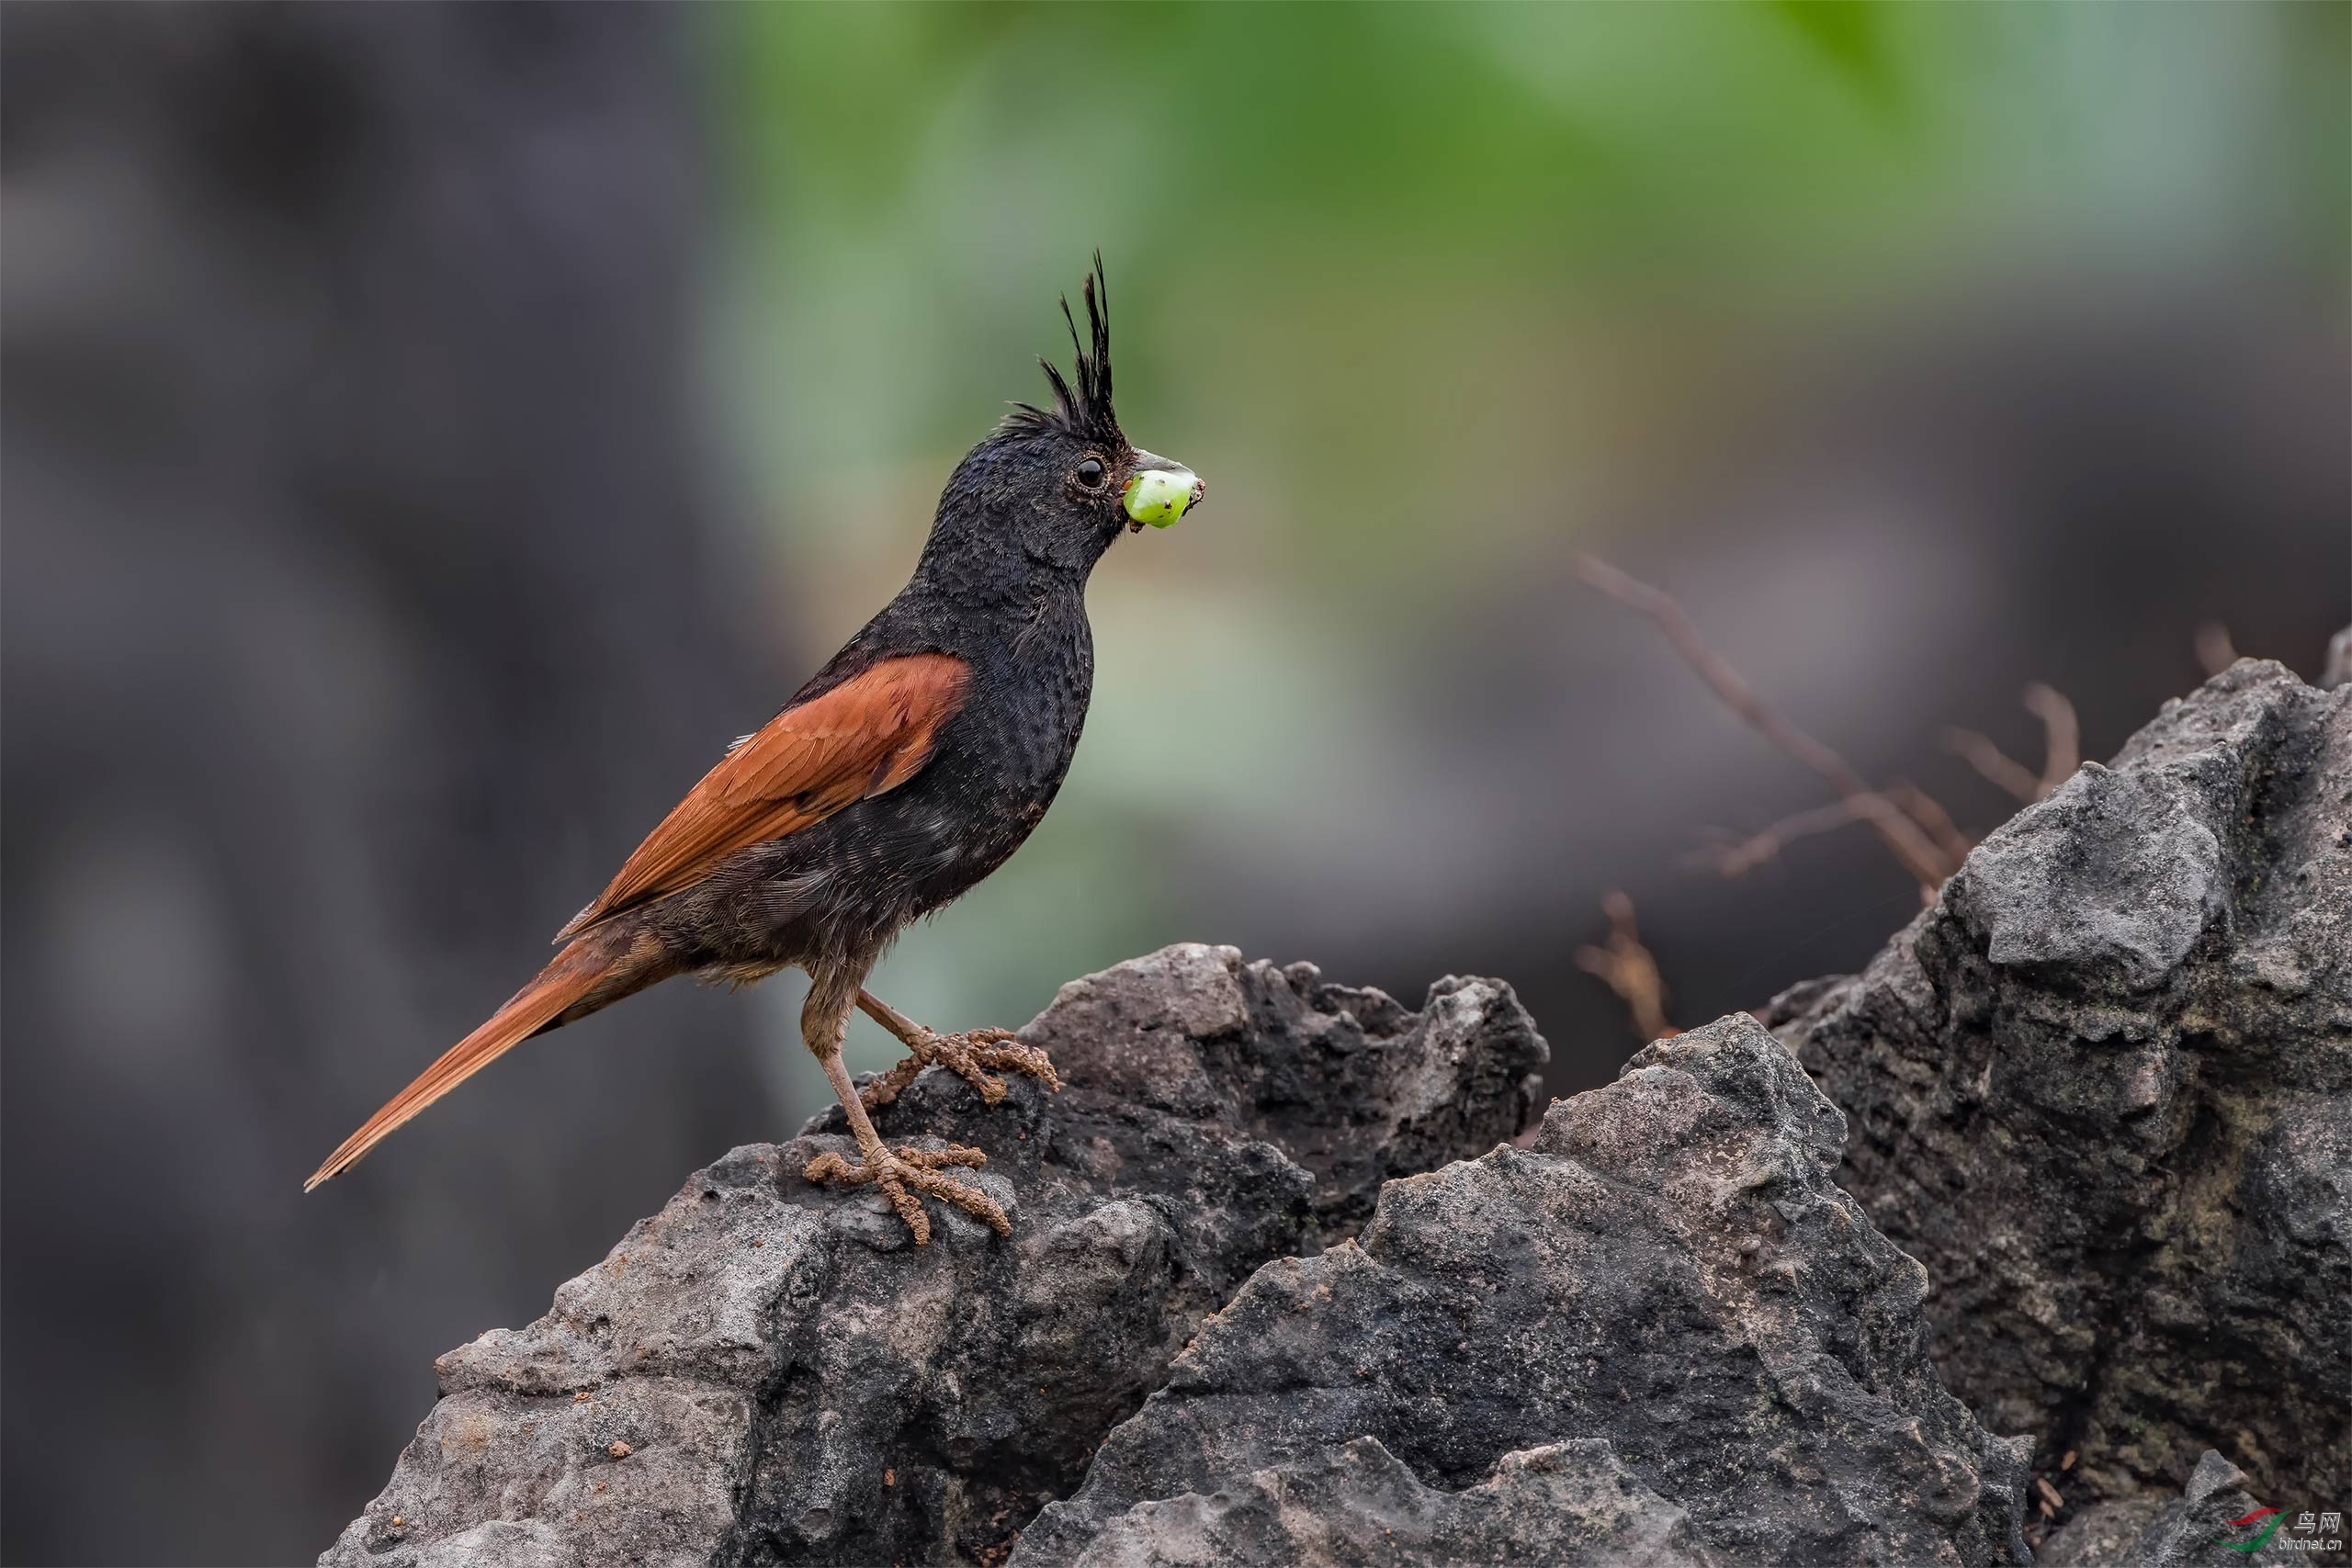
[(1359, 1506), (769, 1373), (2103, 1090), (1668, 1273)]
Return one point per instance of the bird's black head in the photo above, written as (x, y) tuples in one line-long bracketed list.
[(1051, 488)]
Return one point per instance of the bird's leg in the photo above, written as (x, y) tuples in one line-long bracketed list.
[(968, 1055), (900, 1173)]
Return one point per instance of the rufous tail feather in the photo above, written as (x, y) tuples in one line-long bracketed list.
[(596, 969)]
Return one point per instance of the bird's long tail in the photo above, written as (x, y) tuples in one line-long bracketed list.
[(593, 971)]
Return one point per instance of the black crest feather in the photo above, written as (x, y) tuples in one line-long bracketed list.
[(1086, 411)]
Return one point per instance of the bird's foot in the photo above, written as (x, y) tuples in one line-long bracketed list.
[(901, 1173), (968, 1055)]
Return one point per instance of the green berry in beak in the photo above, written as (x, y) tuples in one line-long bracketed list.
[(1161, 492)]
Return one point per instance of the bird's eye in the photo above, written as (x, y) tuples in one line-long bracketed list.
[(1090, 474)]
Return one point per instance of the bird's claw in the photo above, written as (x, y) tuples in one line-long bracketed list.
[(968, 1055), (901, 1173)]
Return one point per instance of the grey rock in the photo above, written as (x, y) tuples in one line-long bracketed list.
[(766, 1372), (1360, 1507), (2337, 671), (2102, 1090), (2138, 875), (1667, 1284), (2149, 1532)]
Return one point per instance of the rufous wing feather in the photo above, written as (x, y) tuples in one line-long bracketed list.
[(869, 734)]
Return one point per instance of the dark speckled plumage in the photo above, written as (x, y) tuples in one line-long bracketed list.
[(1002, 586)]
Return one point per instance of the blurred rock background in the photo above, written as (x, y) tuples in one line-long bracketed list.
[(428, 434)]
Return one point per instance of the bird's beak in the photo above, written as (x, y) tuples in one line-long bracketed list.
[(1159, 492)]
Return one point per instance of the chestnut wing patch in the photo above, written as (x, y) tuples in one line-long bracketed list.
[(870, 734)]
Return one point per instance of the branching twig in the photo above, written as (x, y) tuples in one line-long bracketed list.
[(2061, 747), (1628, 968), (1737, 857), (1978, 751), (1933, 819), (1920, 854)]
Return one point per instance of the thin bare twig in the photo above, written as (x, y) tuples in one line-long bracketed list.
[(2061, 747), (2061, 735), (1732, 856), (1628, 968), (1933, 819), (1978, 751), (2215, 652), (1911, 846)]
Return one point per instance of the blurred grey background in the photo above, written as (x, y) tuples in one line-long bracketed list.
[(428, 434)]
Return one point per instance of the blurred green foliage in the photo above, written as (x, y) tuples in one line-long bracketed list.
[(1508, 259)]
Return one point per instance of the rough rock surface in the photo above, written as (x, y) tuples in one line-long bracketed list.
[(1360, 1507), (2151, 1532), (766, 1372), (1660, 1331), (2102, 1090)]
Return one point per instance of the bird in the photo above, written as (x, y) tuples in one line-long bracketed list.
[(899, 776)]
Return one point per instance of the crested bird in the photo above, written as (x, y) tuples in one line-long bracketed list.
[(904, 772)]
